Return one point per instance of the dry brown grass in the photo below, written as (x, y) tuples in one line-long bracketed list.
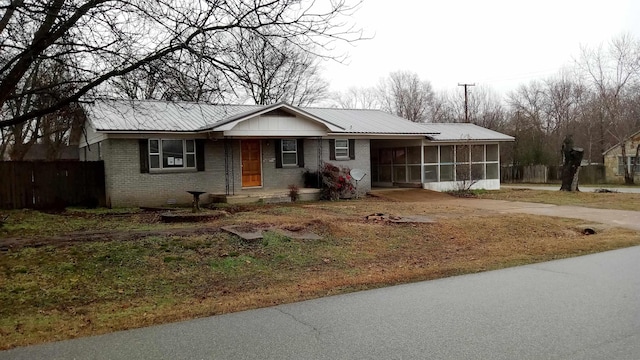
[(620, 201), (96, 287)]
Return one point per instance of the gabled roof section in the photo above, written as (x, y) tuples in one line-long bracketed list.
[(463, 131), (232, 121)]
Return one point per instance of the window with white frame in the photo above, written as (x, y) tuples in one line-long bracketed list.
[(172, 154), (342, 148), (629, 165), (289, 152)]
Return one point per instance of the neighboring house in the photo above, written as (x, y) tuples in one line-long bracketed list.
[(615, 164), (155, 151)]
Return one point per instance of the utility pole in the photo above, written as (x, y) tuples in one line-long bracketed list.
[(466, 101)]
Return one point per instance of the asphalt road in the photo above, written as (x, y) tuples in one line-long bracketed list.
[(581, 308)]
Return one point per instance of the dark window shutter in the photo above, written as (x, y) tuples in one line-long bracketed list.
[(278, 147), (200, 154), (352, 149), (332, 149), (300, 150), (144, 155)]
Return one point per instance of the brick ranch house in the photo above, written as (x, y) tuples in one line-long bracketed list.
[(614, 164), (156, 151)]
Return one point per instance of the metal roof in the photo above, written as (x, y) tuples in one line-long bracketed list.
[(165, 116), (153, 115), (463, 131), (359, 121)]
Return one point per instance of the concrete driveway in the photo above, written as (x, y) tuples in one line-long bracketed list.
[(617, 218), (579, 308)]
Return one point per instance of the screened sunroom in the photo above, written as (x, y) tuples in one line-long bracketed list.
[(438, 162)]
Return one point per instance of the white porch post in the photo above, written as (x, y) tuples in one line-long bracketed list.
[(422, 162)]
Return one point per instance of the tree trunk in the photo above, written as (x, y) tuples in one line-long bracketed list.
[(571, 166)]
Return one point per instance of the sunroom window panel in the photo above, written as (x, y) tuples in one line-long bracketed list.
[(431, 173), (446, 172), (413, 155), (477, 153), (492, 152), (477, 171), (462, 154), (399, 156), (431, 154), (384, 173), (493, 171), (414, 173), (400, 174), (446, 154)]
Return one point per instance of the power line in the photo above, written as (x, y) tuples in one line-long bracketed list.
[(466, 101)]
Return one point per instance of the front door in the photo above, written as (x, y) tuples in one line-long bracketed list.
[(251, 163)]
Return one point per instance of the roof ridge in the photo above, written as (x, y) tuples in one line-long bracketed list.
[(177, 102)]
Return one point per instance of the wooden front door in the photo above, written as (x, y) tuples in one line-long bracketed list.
[(251, 163)]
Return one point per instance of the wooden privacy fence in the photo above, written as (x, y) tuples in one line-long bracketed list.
[(51, 184), (542, 174)]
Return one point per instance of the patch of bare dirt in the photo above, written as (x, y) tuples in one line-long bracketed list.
[(101, 235)]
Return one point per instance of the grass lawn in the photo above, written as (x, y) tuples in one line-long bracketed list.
[(86, 272), (620, 201)]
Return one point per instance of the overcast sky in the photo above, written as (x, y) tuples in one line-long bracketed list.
[(498, 43)]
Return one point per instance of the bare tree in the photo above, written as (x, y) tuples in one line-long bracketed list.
[(272, 71), (613, 72), (404, 94), (173, 79), (357, 98), (527, 107), (446, 108), (53, 130), (105, 39)]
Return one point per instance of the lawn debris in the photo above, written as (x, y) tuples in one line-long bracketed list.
[(604, 191), (381, 217)]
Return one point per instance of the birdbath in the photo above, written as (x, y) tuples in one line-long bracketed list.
[(196, 199)]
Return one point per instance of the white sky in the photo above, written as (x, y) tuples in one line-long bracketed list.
[(497, 43)]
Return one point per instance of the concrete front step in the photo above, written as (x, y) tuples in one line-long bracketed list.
[(267, 196)]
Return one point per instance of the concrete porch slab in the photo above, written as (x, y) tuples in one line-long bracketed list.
[(247, 196)]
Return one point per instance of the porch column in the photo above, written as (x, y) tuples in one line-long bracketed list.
[(421, 162)]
